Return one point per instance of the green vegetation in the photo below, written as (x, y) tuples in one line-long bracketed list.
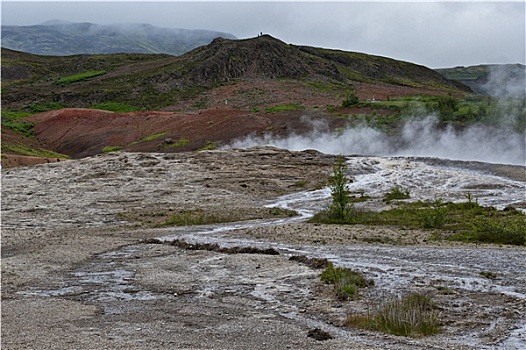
[(346, 282), (467, 221), (201, 216), (351, 100), (457, 111), (153, 137), (498, 230), (183, 141), (488, 274), (435, 216), (108, 149), (340, 209), (33, 152), (15, 122), (114, 106), (208, 146), (79, 77), (283, 108), (396, 194), (411, 316), (300, 183), (45, 106)]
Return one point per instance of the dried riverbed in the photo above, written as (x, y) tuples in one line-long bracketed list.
[(79, 268)]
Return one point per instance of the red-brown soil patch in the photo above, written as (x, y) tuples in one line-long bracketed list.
[(85, 132)]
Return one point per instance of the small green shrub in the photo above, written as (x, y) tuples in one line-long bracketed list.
[(179, 143), (209, 145), (341, 207), (410, 316), (397, 193), (500, 231), (488, 274), (346, 282), (434, 217), (350, 100)]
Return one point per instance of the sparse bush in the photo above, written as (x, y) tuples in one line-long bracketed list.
[(350, 100), (397, 193), (410, 316), (341, 207), (434, 217), (183, 141), (500, 231), (340, 210), (209, 145), (346, 282), (488, 274), (447, 107)]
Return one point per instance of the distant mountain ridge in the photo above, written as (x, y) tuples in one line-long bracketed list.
[(62, 38)]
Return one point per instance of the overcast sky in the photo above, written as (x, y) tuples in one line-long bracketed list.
[(434, 34)]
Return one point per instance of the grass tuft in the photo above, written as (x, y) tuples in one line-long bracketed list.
[(346, 282), (108, 149), (397, 193), (411, 316)]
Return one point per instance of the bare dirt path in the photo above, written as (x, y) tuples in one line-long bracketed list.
[(77, 273)]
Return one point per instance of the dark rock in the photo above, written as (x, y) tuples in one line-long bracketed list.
[(319, 334)]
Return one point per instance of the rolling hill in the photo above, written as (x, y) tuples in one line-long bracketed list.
[(60, 38), (249, 72), (204, 98)]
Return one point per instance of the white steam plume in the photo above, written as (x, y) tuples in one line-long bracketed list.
[(418, 138)]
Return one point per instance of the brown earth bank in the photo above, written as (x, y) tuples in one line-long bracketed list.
[(80, 272), (85, 132)]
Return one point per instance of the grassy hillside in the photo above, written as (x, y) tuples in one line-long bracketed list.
[(33, 83)]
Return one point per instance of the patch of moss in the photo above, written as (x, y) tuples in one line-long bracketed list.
[(108, 149), (33, 152)]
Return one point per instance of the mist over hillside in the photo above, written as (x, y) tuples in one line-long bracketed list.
[(498, 80), (59, 38)]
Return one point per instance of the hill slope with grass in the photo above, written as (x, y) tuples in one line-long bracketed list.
[(263, 83), (164, 82), (59, 38)]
